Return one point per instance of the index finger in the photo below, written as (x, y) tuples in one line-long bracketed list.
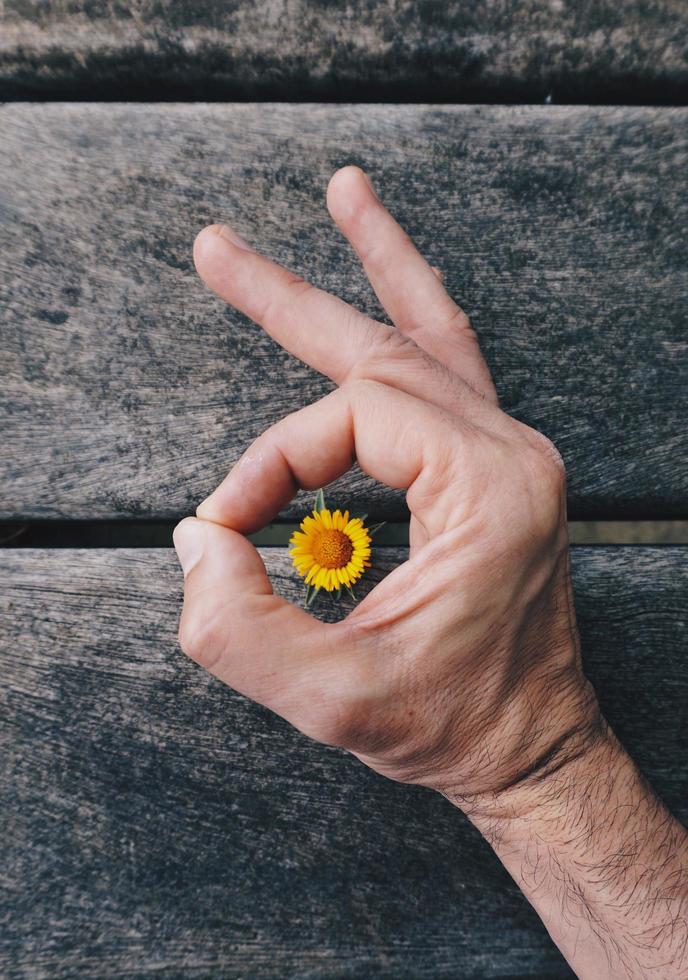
[(397, 439), (322, 329), (310, 323)]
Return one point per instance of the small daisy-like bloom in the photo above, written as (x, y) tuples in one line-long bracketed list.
[(331, 551)]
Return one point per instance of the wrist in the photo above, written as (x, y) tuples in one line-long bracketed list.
[(600, 859), (562, 758), (565, 795)]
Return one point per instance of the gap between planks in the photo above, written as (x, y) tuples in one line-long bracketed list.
[(158, 534)]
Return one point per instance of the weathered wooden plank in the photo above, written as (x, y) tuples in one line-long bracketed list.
[(400, 49), (156, 822), (128, 390)]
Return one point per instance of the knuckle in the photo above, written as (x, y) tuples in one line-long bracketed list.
[(330, 720), (360, 387), (446, 453), (295, 289), (548, 465), (547, 484), (189, 634), (198, 636), (395, 360), (459, 321), (336, 726), (298, 286), (543, 456), (346, 714), (550, 452), (385, 348)]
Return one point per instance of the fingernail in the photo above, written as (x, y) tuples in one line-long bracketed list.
[(224, 231), (188, 542)]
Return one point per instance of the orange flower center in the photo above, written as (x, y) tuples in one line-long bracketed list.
[(332, 549)]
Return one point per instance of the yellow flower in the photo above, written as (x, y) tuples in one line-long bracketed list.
[(330, 551)]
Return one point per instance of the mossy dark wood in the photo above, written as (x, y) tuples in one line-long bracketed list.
[(523, 50), (128, 390), (156, 823)]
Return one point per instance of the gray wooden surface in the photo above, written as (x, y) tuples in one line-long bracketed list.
[(364, 49), (128, 390), (155, 823)]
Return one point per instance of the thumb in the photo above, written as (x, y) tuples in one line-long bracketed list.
[(235, 626)]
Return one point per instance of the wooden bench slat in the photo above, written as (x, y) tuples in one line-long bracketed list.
[(128, 390), (521, 51), (155, 821)]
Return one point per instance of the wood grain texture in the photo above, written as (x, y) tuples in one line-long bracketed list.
[(363, 49), (128, 390), (156, 823)]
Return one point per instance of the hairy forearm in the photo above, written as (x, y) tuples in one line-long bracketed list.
[(602, 861)]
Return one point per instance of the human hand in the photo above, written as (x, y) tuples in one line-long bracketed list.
[(460, 670)]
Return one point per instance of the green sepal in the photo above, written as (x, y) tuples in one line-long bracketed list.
[(339, 592), (319, 500), (311, 594), (351, 593), (375, 528)]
